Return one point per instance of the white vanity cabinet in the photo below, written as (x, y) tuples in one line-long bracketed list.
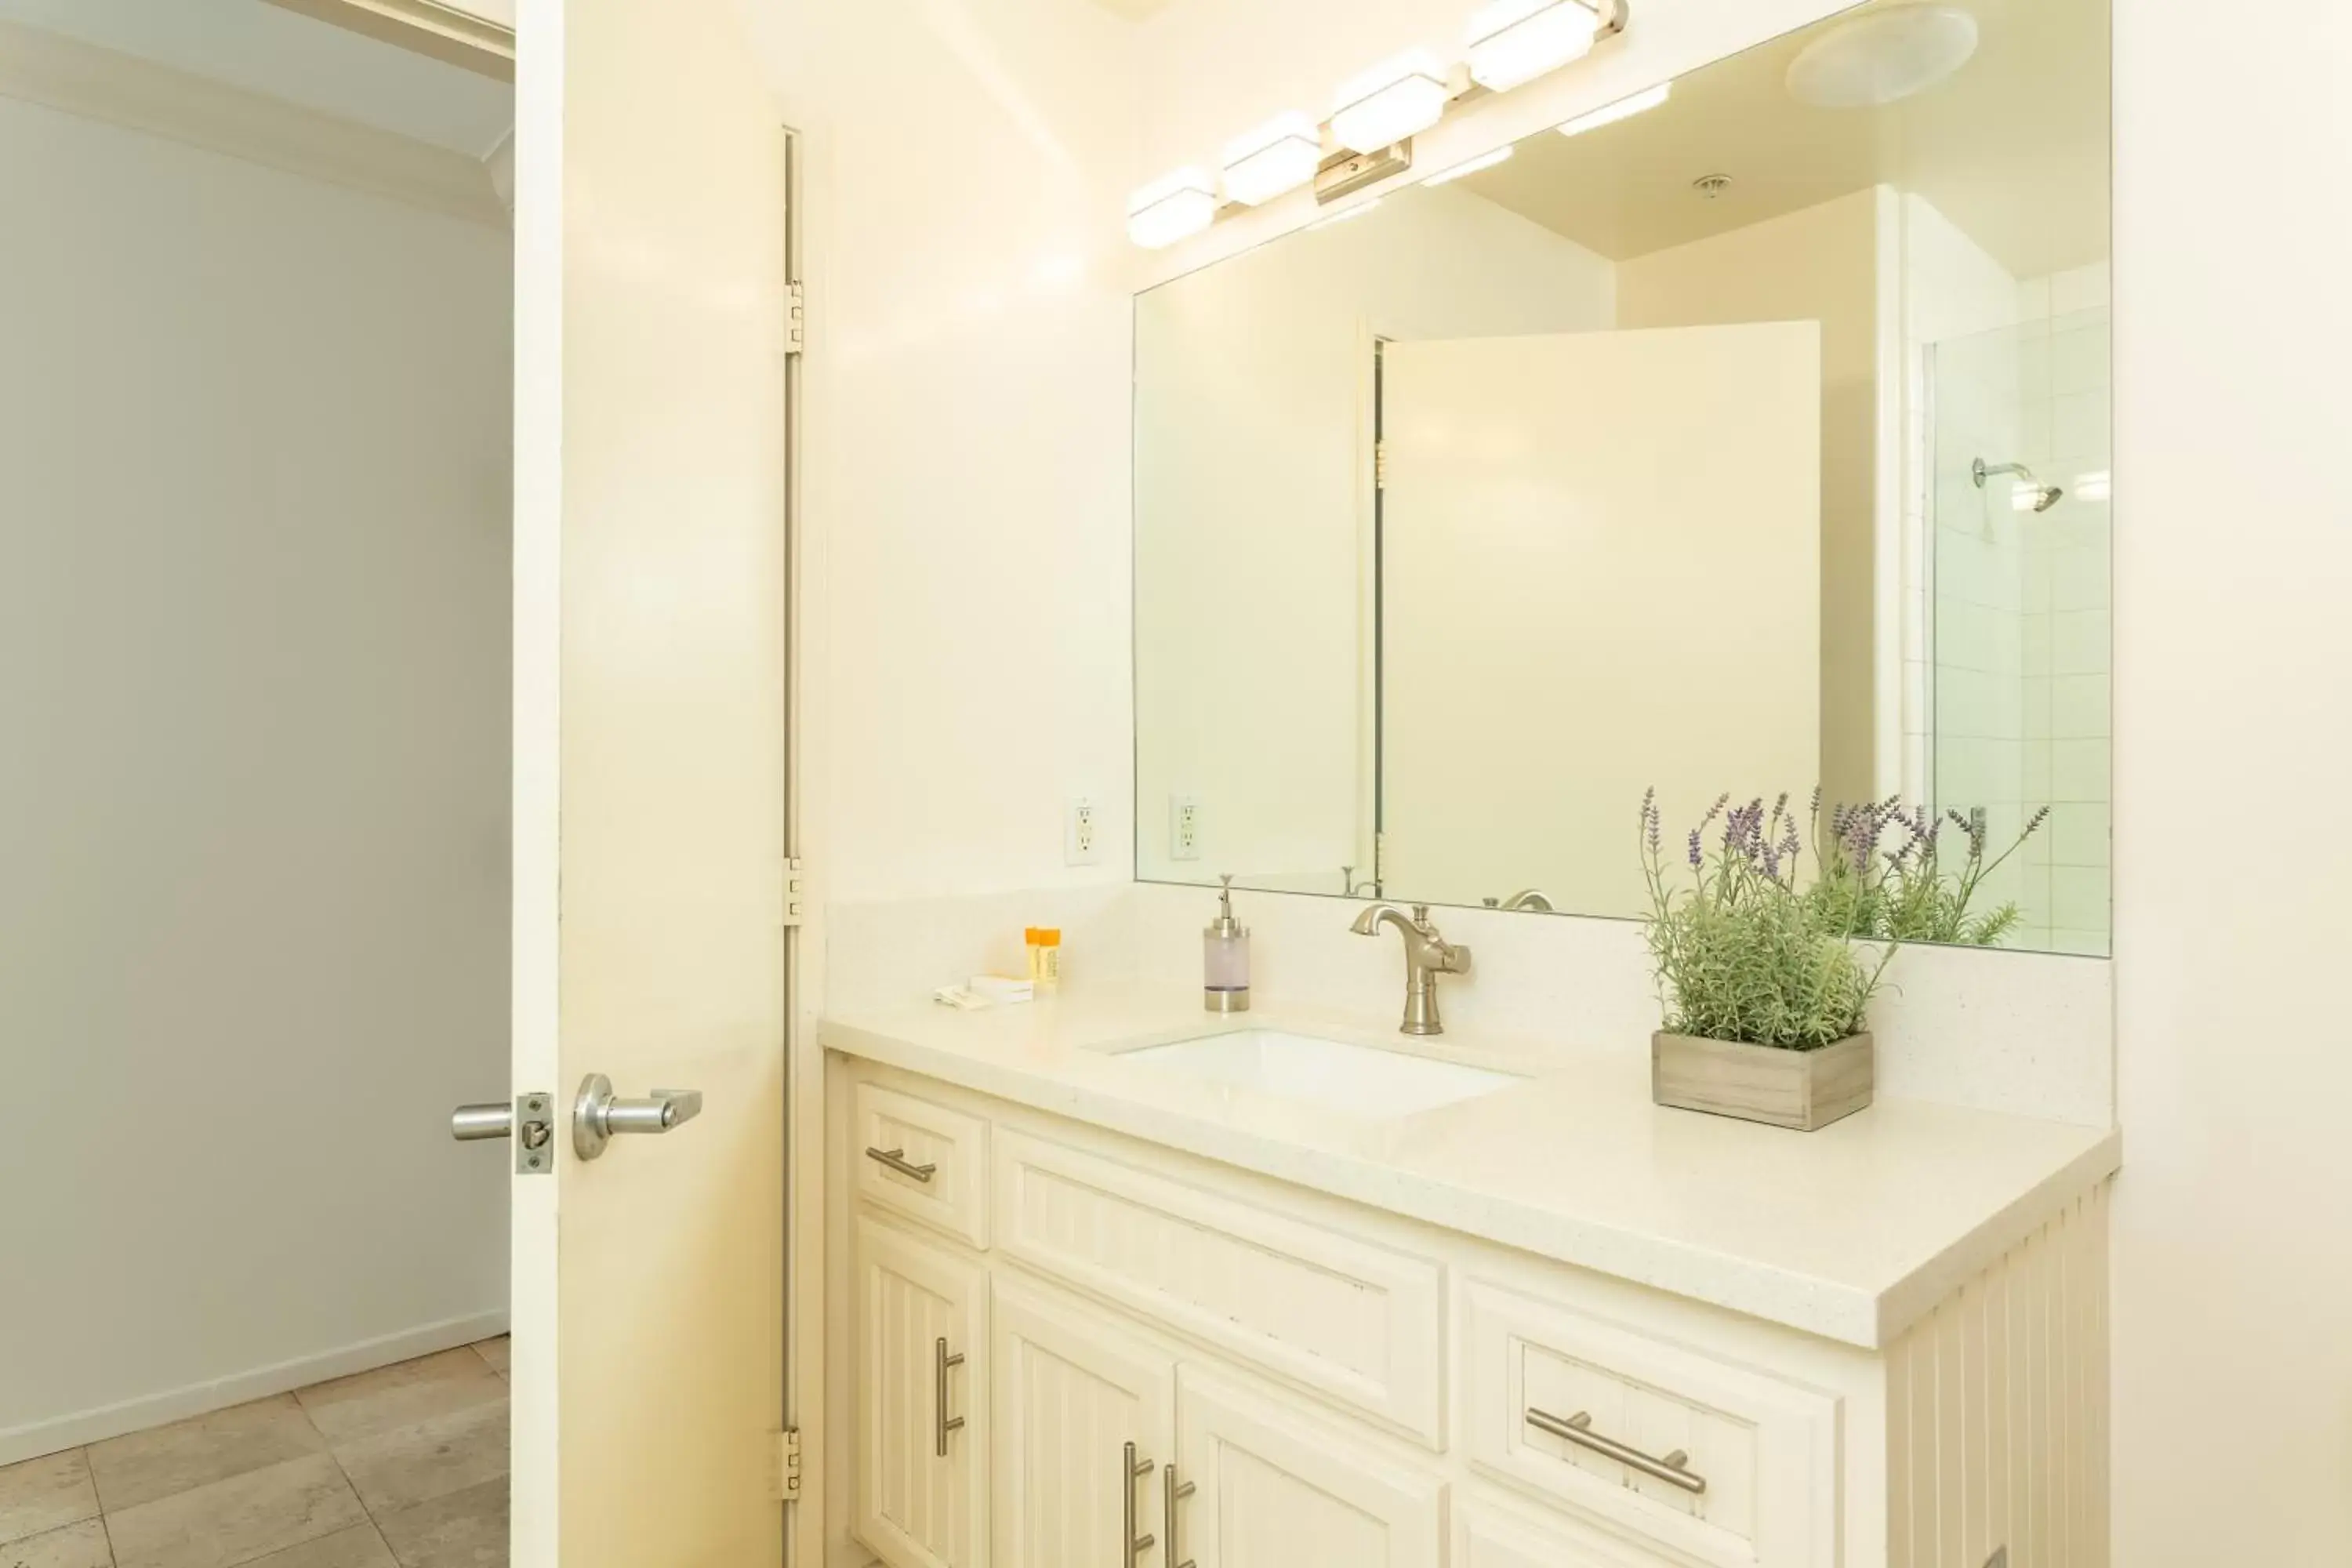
[(922, 1370), (1079, 1349)]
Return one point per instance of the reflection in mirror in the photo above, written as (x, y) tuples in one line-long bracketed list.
[(1754, 441)]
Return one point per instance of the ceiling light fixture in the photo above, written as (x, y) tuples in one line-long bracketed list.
[(1514, 41), (1486, 161), (1390, 102), (1623, 109), (1883, 57), (1175, 206), (1279, 155)]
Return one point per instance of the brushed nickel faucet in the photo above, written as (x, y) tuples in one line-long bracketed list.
[(1427, 955), (1525, 898)]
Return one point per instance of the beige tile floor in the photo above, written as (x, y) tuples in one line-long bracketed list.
[(404, 1466)]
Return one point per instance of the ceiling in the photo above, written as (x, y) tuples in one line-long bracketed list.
[(1134, 10), (262, 48), (2014, 148)]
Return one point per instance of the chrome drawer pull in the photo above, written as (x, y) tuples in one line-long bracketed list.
[(896, 1159), (942, 1361), (1177, 1491), (1577, 1429), (1131, 1470)]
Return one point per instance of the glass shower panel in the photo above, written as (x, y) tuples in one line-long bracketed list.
[(2019, 635)]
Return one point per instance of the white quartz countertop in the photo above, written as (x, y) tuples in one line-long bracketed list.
[(1851, 1233)]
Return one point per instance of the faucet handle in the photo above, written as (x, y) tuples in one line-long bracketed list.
[(1421, 916)]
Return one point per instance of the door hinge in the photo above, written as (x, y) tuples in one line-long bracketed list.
[(1380, 465), (796, 896), (795, 318), (788, 1465)]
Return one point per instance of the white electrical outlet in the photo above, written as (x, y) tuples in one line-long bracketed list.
[(1184, 827), (1081, 843)]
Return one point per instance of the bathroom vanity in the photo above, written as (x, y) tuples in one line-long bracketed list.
[(1311, 1293)]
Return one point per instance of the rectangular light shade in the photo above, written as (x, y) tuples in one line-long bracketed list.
[(1623, 109), (1280, 155), (1514, 41), (1390, 102), (1173, 207)]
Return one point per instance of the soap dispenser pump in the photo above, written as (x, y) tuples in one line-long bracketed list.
[(1225, 958)]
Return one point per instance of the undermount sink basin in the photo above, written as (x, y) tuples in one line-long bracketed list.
[(1359, 1080)]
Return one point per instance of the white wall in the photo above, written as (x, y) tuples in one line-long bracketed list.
[(965, 476), (1820, 264), (2233, 739), (1253, 453), (253, 451)]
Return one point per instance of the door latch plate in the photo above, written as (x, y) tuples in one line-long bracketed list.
[(534, 1135)]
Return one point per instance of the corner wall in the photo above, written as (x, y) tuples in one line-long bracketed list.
[(254, 446)]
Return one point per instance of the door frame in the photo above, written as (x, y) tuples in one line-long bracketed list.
[(448, 33)]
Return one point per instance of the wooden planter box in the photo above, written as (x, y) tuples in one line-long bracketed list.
[(1803, 1090)]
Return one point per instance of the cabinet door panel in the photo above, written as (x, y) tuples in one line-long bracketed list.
[(1276, 1488), (1073, 1388), (917, 1508)]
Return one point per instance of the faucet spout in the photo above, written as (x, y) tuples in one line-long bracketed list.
[(1427, 955)]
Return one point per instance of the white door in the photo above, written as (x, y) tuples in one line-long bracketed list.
[(649, 782), (1600, 570), (1274, 1488), (1082, 1432), (922, 1380)]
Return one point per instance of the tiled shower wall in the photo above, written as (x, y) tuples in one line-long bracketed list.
[(2017, 640)]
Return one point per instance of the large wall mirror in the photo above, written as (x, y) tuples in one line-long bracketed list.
[(1754, 441)]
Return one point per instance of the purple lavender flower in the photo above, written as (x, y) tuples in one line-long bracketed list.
[(1696, 858)]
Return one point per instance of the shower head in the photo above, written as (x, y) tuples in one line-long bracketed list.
[(2035, 495)]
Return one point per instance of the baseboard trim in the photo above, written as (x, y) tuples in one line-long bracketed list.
[(63, 1432)]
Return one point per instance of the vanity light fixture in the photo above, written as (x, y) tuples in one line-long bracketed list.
[(1485, 160), (1279, 155), (1175, 206), (1514, 41), (1390, 102), (1623, 109)]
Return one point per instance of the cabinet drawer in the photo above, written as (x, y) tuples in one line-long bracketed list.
[(1489, 1534), (1721, 1462), (1357, 1321), (923, 1161)]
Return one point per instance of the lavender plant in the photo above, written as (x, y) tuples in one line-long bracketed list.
[(1742, 953), (1744, 949), (1883, 874)]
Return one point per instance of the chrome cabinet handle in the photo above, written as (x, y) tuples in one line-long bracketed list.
[(941, 1362), (1131, 1470), (598, 1117), (896, 1159), (1577, 1429), (1174, 1491)]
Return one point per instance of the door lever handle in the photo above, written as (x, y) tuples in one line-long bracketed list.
[(598, 1116)]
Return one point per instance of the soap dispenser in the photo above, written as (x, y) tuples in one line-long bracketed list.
[(1225, 955)]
